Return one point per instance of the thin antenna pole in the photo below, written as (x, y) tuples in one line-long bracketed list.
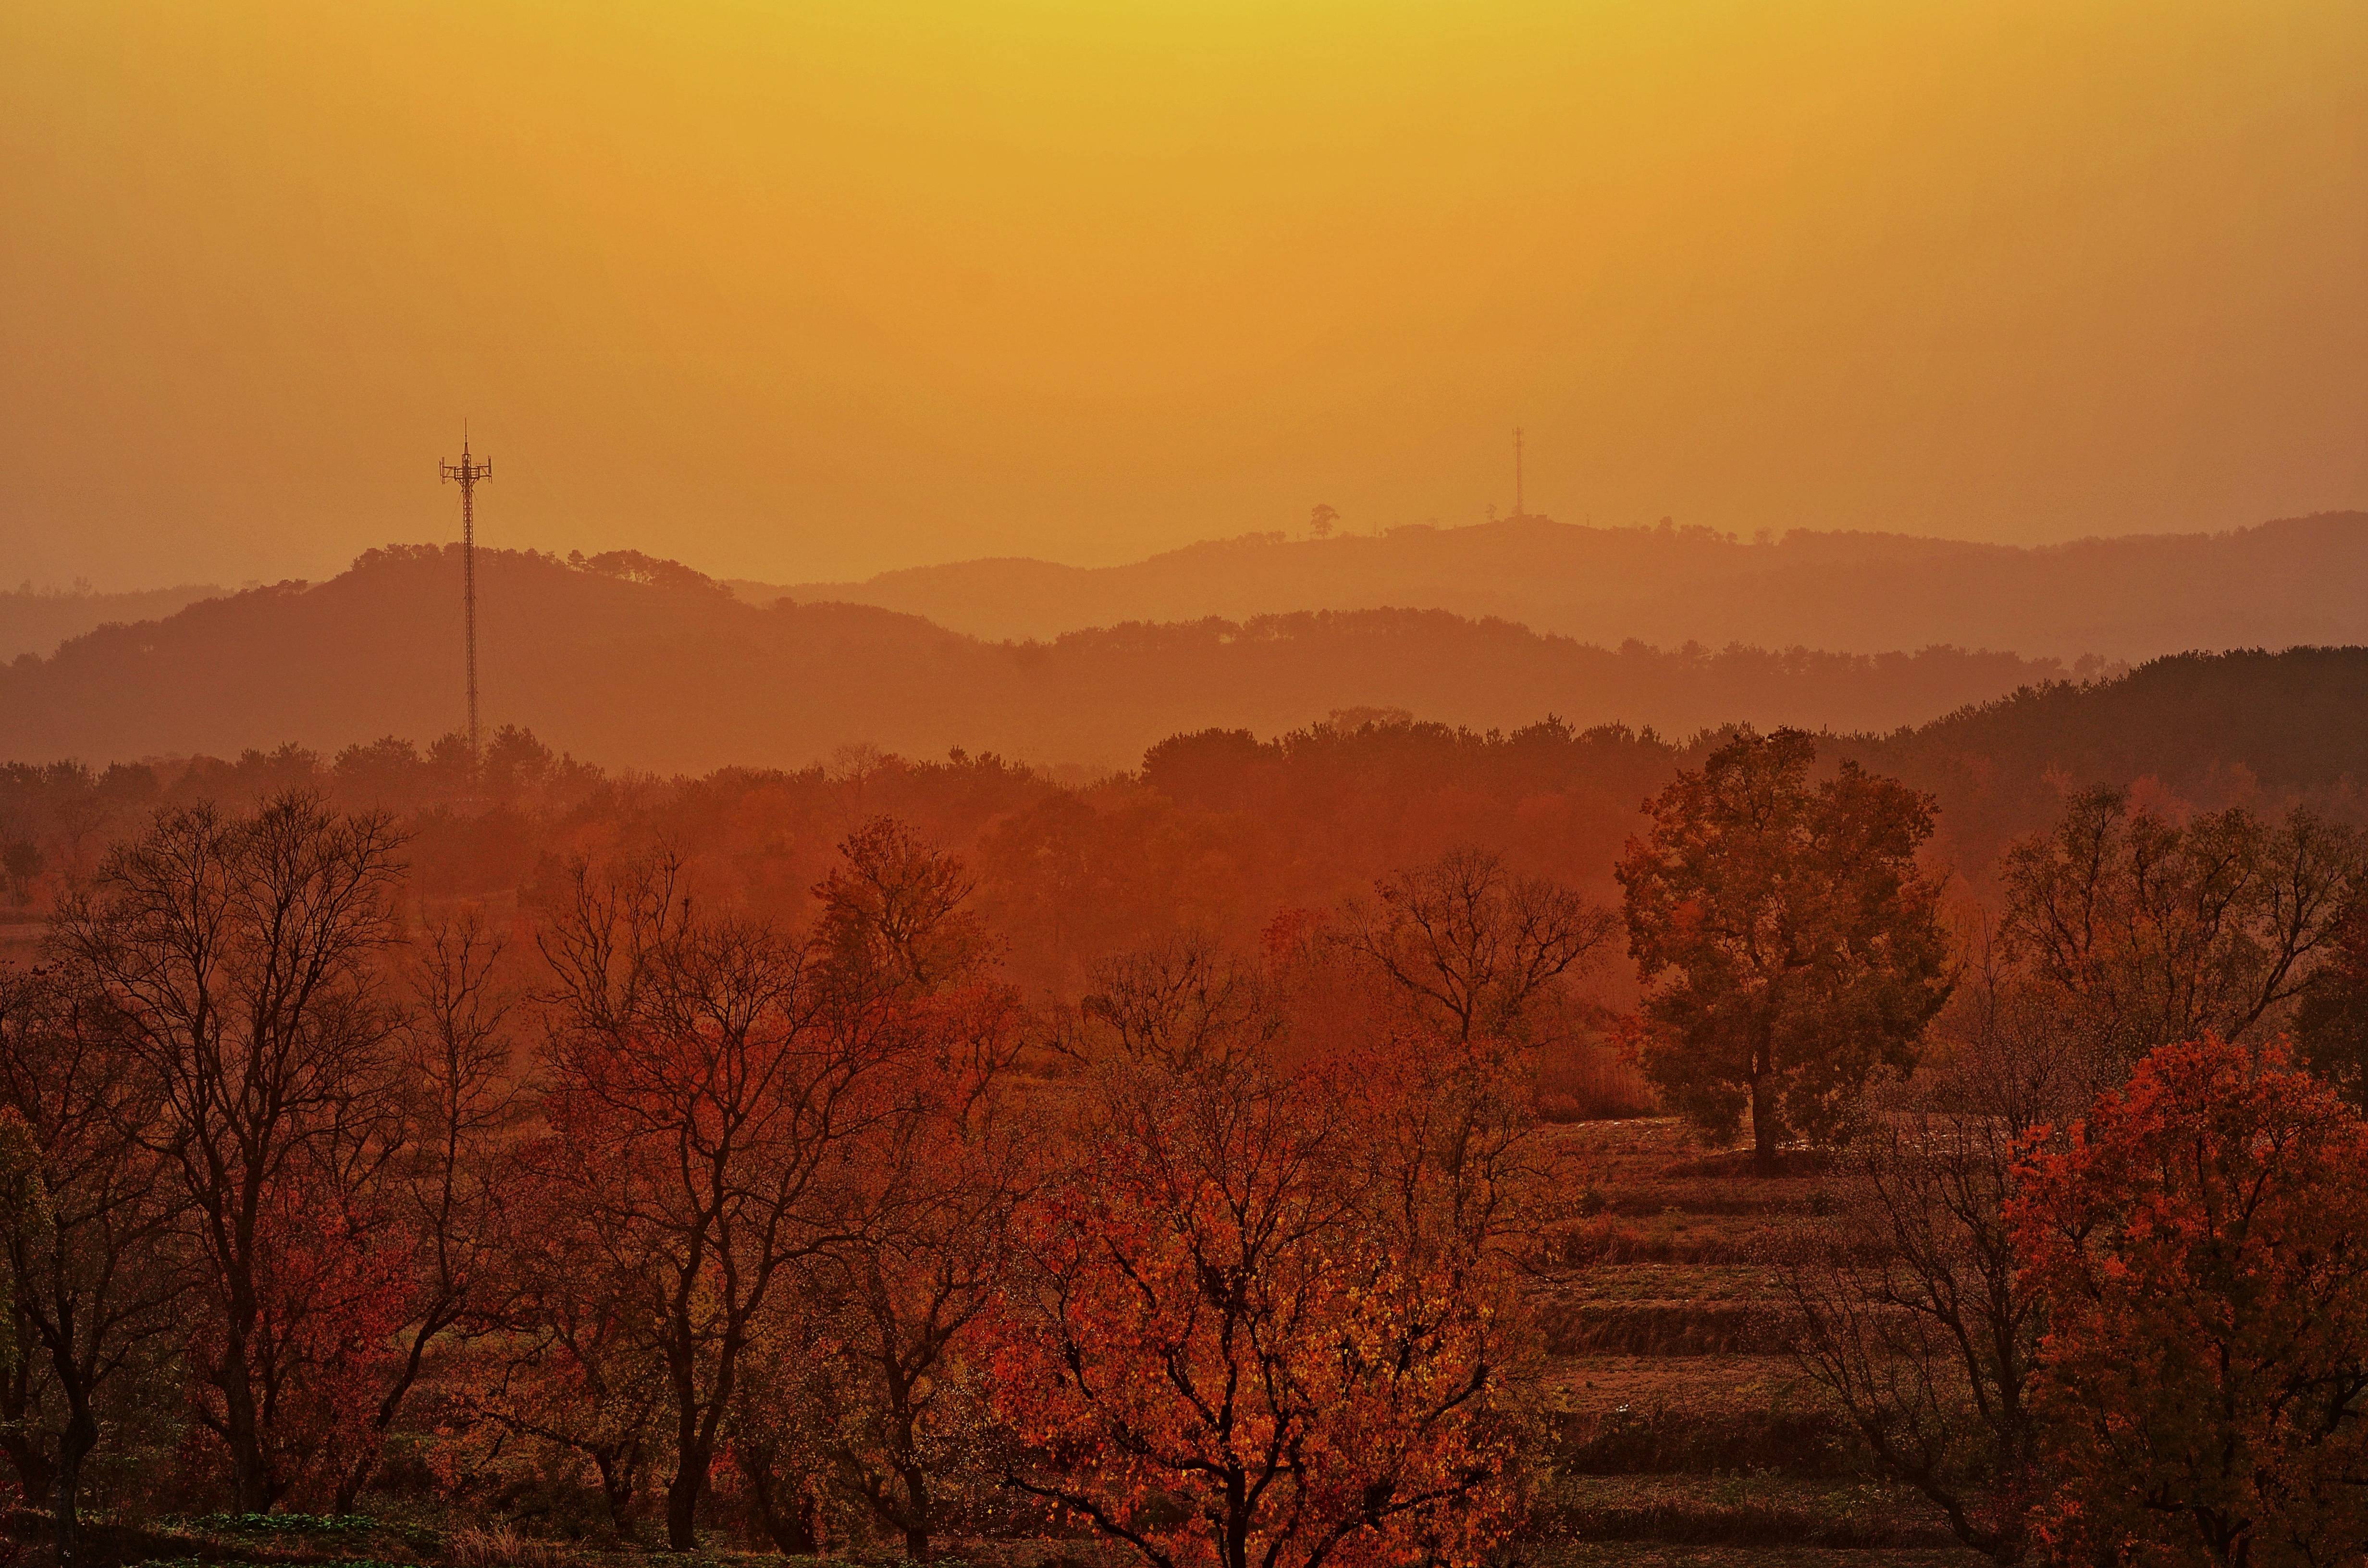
[(466, 473), (1521, 508)]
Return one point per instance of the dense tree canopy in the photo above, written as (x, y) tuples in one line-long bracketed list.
[(1789, 940), (2202, 1248)]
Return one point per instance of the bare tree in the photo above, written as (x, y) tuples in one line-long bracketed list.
[(572, 1369), (96, 1277), (1474, 946), (236, 958), (1913, 1316), (699, 1083), (930, 1259), (2147, 931), (460, 1106), (1474, 966), (1185, 1005)]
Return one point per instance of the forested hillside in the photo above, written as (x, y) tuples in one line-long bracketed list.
[(645, 664), (2247, 728), (34, 620)]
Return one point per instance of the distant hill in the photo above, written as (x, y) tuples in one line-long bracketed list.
[(36, 621), (2278, 585), (645, 664), (2246, 728)]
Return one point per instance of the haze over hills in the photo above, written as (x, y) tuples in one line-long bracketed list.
[(2278, 584), (34, 620), (637, 663)]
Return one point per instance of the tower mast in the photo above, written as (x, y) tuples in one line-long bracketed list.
[(465, 473), (1521, 508)]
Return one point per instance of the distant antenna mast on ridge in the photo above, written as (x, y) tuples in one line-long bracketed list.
[(465, 473), (1519, 509)]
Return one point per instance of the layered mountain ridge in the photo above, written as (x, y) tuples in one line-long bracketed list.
[(645, 664), (2278, 584)]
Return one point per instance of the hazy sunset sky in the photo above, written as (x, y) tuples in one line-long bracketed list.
[(793, 290)]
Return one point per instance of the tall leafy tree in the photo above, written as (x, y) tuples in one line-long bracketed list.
[(933, 1186), (1789, 942)]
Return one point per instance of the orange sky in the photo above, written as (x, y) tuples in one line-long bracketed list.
[(797, 288)]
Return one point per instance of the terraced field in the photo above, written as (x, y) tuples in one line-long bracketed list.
[(1681, 1433)]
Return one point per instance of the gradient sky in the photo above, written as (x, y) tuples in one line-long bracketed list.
[(793, 289)]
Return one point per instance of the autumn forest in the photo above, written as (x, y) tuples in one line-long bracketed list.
[(1243, 1160), (1183, 784)]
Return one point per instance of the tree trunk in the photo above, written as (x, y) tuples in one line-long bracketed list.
[(35, 1476), (250, 1474), (1763, 1124), (788, 1515), (34, 1471), (350, 1484), (615, 1484), (916, 1510), (682, 1499), (357, 1476), (74, 1444)]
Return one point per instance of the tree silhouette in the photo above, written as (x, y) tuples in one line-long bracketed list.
[(236, 958)]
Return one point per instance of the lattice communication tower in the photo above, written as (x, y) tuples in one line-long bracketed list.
[(466, 473)]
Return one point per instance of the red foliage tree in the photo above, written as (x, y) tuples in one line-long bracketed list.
[(936, 1178), (332, 1288), (1218, 1358), (2201, 1247)]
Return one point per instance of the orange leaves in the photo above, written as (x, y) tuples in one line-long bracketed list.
[(1219, 1357)]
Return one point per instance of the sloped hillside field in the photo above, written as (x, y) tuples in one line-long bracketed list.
[(1679, 1429)]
